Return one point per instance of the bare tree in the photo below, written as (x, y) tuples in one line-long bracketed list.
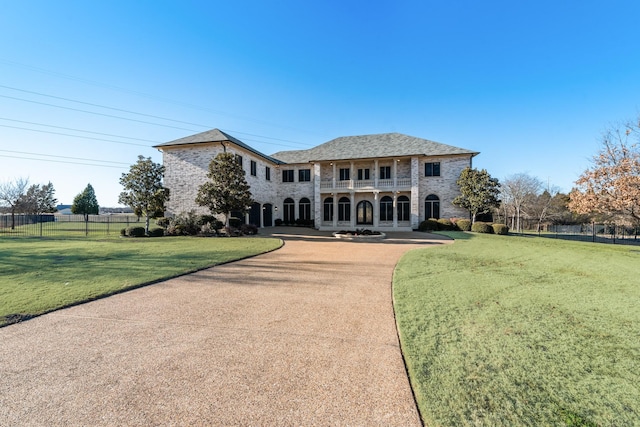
[(516, 192), (11, 193)]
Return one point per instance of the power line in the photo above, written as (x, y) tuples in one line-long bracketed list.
[(146, 95), (64, 157), (62, 161), (97, 114), (79, 130), (145, 115), (75, 136), (103, 106)]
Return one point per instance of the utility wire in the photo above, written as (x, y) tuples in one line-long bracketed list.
[(63, 157), (62, 161), (75, 136), (79, 130), (146, 95), (97, 114), (102, 106), (117, 117)]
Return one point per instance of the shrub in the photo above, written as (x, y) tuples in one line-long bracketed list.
[(135, 231), (210, 223), (482, 227), (249, 229), (463, 224), (430, 224), (163, 222), (184, 224), (207, 219), (278, 221), (156, 232), (502, 229), (235, 222), (445, 224), (123, 232)]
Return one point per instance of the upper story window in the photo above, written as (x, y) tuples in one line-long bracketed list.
[(385, 172), (239, 159), (304, 175), (363, 174), (287, 175), (432, 169), (344, 174), (254, 168), (267, 173)]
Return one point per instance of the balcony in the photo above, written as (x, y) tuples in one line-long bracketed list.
[(369, 184)]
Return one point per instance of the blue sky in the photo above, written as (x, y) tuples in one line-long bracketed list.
[(530, 85)]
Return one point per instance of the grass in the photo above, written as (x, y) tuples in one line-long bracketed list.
[(504, 330), (41, 275)]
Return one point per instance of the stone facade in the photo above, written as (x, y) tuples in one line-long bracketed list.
[(377, 193)]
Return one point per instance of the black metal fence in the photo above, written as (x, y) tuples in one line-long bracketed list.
[(50, 225), (597, 233)]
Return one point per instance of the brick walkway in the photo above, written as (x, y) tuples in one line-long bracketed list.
[(304, 335)]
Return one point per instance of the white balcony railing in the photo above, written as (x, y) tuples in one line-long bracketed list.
[(351, 184)]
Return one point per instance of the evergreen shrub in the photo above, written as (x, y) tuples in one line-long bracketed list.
[(430, 224), (156, 232), (445, 224), (135, 232), (482, 227), (501, 229), (463, 225)]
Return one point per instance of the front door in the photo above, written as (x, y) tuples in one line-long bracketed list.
[(364, 213), (267, 215)]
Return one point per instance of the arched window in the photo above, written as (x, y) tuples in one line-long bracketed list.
[(386, 209), (432, 207), (289, 211), (404, 208), (328, 209), (364, 212), (344, 209), (304, 209)]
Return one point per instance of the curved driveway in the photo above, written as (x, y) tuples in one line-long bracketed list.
[(304, 335)]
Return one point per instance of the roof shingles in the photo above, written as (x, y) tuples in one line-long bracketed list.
[(343, 148), (371, 146)]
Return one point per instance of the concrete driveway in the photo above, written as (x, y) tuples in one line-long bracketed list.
[(301, 336)]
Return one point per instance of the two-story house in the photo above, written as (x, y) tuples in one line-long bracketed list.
[(385, 181)]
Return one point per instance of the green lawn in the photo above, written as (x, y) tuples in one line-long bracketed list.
[(504, 330), (40, 275)]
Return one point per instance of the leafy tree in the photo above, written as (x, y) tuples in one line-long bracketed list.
[(227, 189), (144, 191), (478, 192), (39, 199), (11, 193), (611, 187), (86, 203)]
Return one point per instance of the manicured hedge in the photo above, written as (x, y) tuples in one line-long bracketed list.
[(500, 229), (482, 227)]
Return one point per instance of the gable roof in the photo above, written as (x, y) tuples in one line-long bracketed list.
[(215, 135), (371, 146)]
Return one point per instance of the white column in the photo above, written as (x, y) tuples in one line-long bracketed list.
[(375, 173), (317, 197), (352, 197), (395, 209), (376, 209), (335, 208), (334, 176), (395, 175), (415, 193)]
